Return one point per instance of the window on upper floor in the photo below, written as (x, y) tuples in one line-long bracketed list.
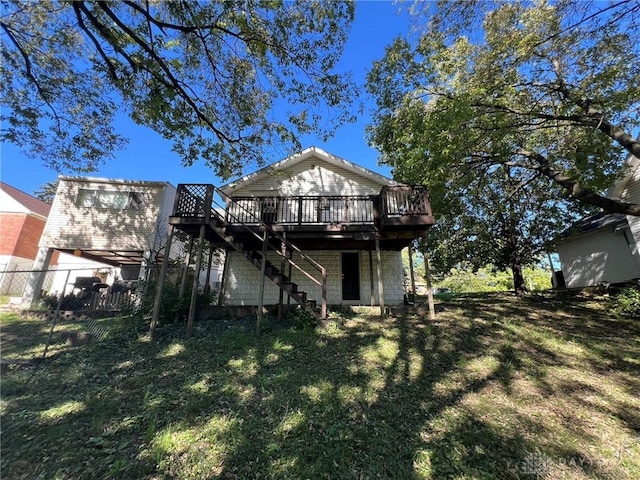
[(109, 199)]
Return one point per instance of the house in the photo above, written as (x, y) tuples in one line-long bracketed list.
[(117, 223), (22, 221), (321, 228), (605, 247)]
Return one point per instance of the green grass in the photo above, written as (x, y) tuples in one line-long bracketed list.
[(495, 387)]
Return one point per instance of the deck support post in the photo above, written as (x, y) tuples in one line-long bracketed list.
[(225, 274), (413, 277), (183, 280), (373, 289), (207, 287), (289, 274), (194, 288), (427, 270), (380, 286), (160, 285), (283, 252), (323, 309), (263, 264)]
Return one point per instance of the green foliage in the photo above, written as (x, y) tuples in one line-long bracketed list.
[(301, 319), (506, 110), (71, 301), (488, 279), (47, 192), (544, 89), (445, 296), (627, 302), (171, 308), (211, 77)]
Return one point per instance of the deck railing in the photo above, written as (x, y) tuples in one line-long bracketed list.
[(193, 200), (196, 200), (302, 210), (206, 201), (404, 200)]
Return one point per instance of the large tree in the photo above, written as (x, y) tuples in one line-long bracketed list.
[(551, 91), (224, 81), (498, 221)]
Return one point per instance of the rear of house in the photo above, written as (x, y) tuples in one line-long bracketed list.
[(334, 215), (343, 216)]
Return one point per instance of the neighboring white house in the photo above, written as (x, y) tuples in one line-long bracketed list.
[(117, 223), (329, 207), (605, 247)]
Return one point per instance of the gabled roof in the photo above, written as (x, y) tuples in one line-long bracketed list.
[(115, 181), (305, 154), (632, 163), (593, 223), (29, 202)]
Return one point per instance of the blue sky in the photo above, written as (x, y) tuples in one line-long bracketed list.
[(149, 157)]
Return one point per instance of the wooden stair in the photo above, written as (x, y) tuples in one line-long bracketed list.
[(255, 258), (196, 206)]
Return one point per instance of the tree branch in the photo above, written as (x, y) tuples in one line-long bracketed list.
[(576, 190), (173, 81), (592, 118), (29, 71), (106, 34), (583, 20), (112, 71)]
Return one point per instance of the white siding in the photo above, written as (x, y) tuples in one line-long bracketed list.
[(312, 176), (70, 226), (244, 279), (166, 209), (599, 257), (631, 194)]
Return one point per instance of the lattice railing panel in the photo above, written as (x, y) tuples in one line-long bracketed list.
[(191, 200)]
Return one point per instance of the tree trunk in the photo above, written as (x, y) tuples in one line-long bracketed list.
[(519, 285)]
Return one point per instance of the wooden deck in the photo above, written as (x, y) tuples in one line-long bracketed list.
[(394, 217)]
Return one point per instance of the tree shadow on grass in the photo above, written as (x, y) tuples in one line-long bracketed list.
[(400, 397)]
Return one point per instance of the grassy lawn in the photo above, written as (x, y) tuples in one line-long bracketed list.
[(496, 387)]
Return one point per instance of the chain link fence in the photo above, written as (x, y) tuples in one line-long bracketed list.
[(77, 306)]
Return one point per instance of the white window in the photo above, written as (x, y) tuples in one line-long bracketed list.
[(109, 199)]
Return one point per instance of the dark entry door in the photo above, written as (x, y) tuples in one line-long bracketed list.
[(351, 276)]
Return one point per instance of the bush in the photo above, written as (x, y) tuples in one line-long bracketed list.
[(302, 319), (71, 301), (627, 302), (170, 307)]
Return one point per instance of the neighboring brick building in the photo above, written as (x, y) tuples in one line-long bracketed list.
[(22, 221)]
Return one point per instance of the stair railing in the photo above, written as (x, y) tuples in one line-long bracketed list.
[(227, 201)]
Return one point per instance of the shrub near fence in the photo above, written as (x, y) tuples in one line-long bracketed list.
[(100, 289), (77, 306), (80, 288)]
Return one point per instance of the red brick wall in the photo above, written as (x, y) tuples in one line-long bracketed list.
[(10, 228), (20, 234)]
